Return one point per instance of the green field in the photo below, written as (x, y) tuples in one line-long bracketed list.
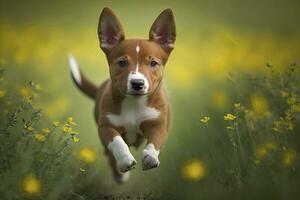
[(234, 85)]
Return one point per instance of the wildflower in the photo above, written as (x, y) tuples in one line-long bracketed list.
[(194, 170), (238, 107), (284, 93), (229, 117), (278, 126), (28, 99), (25, 92), (289, 157), (75, 139), (259, 104), (32, 185), (40, 137), (87, 155), (291, 101), (37, 87), (2, 93), (205, 119), (46, 130), (82, 170), (272, 146), (55, 123), (70, 121), (30, 128), (67, 129), (261, 152), (257, 161), (295, 108)]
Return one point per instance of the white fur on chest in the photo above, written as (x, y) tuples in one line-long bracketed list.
[(134, 111)]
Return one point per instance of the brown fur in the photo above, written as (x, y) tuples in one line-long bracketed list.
[(111, 93)]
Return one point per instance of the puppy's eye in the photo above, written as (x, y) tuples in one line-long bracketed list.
[(122, 63), (153, 63)]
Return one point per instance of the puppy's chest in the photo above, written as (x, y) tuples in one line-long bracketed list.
[(133, 112)]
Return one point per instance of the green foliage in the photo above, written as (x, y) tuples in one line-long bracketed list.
[(36, 157), (242, 143)]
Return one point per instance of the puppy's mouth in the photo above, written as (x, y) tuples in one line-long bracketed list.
[(136, 93)]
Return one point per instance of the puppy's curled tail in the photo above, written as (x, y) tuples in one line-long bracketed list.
[(85, 85)]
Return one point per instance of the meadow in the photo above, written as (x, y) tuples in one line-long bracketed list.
[(234, 86)]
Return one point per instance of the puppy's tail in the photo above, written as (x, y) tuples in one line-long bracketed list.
[(86, 86)]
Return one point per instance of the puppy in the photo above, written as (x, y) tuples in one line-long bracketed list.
[(132, 105)]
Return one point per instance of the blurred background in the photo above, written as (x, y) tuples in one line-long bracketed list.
[(231, 59)]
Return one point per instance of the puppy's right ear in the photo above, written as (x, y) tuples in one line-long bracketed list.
[(110, 31)]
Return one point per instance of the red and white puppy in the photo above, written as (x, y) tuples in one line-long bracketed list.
[(132, 105)]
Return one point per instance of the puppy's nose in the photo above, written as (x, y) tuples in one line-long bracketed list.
[(137, 84)]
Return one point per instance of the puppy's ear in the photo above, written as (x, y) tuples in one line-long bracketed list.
[(110, 31), (163, 30)]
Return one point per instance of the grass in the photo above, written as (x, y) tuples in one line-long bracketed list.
[(240, 140)]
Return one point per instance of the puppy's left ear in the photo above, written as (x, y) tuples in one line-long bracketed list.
[(163, 30)]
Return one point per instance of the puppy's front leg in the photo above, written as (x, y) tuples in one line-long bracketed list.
[(156, 135), (117, 146)]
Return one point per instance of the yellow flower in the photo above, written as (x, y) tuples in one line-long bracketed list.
[(261, 152), (70, 121), (291, 101), (205, 119), (272, 146), (295, 108), (46, 130), (40, 137), (237, 105), (75, 139), (259, 104), (67, 129), (25, 92), (37, 87), (289, 157), (29, 128), (2, 93), (55, 123), (229, 117), (87, 155), (32, 185), (284, 93), (194, 170)]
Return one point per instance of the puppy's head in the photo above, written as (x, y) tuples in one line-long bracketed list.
[(136, 65)]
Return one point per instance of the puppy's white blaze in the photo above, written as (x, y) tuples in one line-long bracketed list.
[(133, 112), (137, 49), (74, 69)]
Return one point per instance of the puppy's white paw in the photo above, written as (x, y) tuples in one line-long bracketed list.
[(120, 150), (126, 163), (150, 157)]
